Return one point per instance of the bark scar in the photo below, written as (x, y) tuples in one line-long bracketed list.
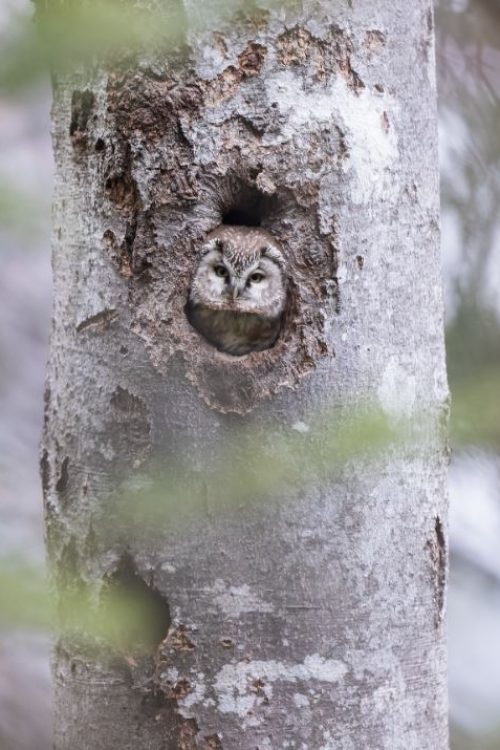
[(82, 104), (102, 319), (439, 556)]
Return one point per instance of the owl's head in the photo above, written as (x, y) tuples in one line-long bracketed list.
[(240, 269)]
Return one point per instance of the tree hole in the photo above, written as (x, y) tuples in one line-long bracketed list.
[(244, 204), (82, 103), (241, 217), (134, 615)]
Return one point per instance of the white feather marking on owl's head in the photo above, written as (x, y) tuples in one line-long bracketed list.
[(215, 243)]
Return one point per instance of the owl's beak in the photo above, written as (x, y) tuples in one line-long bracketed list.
[(234, 289)]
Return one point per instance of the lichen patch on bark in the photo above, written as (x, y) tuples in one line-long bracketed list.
[(235, 600), (241, 687)]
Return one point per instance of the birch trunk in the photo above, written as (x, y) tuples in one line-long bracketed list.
[(316, 621)]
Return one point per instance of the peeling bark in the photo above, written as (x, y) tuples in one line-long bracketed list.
[(316, 621)]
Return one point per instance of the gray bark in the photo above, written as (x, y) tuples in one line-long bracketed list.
[(315, 621)]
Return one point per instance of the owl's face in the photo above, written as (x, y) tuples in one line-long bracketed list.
[(241, 269)]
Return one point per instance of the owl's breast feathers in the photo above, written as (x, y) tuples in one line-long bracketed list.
[(236, 333)]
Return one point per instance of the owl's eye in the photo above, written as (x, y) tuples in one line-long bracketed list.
[(256, 277), (221, 272)]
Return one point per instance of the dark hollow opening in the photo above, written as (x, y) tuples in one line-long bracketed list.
[(242, 218), (135, 614), (241, 204), (82, 103)]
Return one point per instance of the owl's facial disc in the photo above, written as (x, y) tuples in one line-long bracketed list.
[(242, 273), (226, 283)]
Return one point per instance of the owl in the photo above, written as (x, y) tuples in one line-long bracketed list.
[(238, 293)]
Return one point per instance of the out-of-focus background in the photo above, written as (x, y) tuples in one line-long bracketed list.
[(468, 59)]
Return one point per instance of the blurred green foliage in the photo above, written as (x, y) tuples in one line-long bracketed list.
[(251, 470), (124, 615), (24, 596), (473, 348), (460, 739), (296, 460), (65, 33), (20, 213), (122, 611)]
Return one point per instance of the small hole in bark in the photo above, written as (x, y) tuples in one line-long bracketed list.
[(45, 472), (438, 554), (62, 482), (441, 556), (82, 103), (100, 145), (212, 742), (179, 690), (135, 614)]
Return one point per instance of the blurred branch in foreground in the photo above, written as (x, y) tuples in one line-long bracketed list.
[(473, 347), (25, 597), (476, 411), (462, 740), (468, 55)]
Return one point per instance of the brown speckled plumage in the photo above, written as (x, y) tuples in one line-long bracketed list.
[(238, 293)]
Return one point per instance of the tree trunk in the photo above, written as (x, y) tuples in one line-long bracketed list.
[(315, 621)]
